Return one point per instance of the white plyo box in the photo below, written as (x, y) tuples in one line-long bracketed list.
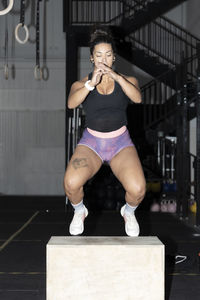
[(105, 268)]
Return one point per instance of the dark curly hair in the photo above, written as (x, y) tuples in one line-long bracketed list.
[(101, 36)]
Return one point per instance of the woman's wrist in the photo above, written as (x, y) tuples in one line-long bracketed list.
[(88, 85), (118, 78), (121, 78)]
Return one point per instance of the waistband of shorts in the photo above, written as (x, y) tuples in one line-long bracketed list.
[(110, 134)]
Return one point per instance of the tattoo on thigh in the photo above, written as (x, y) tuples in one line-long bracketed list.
[(79, 163)]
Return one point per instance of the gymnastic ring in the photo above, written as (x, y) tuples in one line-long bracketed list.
[(32, 41), (45, 73), (37, 73), (17, 36), (6, 71), (7, 9)]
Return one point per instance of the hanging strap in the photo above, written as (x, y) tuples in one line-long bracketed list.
[(13, 69), (6, 46), (45, 70), (38, 34), (6, 55), (37, 70), (22, 12), (6, 71), (16, 12)]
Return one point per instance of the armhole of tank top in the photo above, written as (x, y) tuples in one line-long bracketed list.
[(89, 76), (120, 89)]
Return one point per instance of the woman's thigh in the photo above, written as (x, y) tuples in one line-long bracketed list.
[(127, 168), (83, 165)]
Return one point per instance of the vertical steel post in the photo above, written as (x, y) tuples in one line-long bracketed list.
[(66, 14), (185, 145), (179, 143), (198, 140), (182, 142)]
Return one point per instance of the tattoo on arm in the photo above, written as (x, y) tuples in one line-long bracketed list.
[(79, 163)]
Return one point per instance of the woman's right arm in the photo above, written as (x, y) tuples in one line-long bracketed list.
[(78, 93)]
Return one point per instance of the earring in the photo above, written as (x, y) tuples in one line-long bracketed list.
[(92, 61), (113, 59)]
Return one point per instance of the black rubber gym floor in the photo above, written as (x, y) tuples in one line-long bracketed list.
[(27, 223)]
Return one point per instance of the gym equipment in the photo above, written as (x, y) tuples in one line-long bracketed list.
[(166, 151), (7, 9), (171, 206), (159, 147), (6, 70), (193, 207), (90, 273), (45, 70), (22, 25), (166, 187), (17, 35), (155, 207), (164, 205), (168, 204), (13, 69), (155, 187), (37, 69)]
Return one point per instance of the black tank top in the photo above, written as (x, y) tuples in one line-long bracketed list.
[(106, 112)]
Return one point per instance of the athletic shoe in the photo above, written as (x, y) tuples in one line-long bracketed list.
[(131, 224), (77, 224)]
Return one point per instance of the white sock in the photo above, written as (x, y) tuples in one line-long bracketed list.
[(78, 207), (129, 209)]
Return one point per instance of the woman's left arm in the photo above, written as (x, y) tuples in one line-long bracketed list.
[(128, 84), (130, 87)]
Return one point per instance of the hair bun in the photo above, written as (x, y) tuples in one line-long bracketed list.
[(97, 33), (100, 32), (101, 35)]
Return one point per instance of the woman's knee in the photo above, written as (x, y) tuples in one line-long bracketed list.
[(71, 184), (137, 191)]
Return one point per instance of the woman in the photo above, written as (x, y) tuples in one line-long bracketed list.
[(104, 95)]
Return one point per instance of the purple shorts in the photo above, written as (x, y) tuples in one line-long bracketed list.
[(106, 148)]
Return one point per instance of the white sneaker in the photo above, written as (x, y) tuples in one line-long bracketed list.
[(131, 225), (77, 224)]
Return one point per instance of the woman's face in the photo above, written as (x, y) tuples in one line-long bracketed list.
[(103, 53)]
